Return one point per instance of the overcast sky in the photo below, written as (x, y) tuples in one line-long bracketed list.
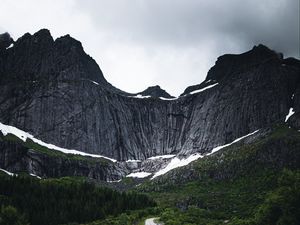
[(173, 43)]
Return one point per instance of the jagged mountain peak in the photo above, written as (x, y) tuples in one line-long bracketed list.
[(44, 39), (69, 42), (257, 53), (42, 36), (5, 41), (229, 64), (45, 33), (38, 56), (262, 48), (156, 92), (262, 52)]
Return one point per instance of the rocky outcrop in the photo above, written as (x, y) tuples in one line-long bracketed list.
[(17, 158), (155, 92), (5, 41), (54, 90)]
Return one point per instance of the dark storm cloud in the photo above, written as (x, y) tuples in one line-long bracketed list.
[(183, 23)]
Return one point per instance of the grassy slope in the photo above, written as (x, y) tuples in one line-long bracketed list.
[(228, 185)]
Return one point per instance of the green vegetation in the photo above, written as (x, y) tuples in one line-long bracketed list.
[(10, 216), (236, 202), (242, 184), (65, 200), (253, 183), (129, 218), (282, 205)]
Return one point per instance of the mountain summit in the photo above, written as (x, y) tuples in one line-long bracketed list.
[(38, 57), (156, 92)]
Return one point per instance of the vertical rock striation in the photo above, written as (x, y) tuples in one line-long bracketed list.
[(54, 90)]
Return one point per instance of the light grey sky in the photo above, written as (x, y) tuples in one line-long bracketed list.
[(173, 43)]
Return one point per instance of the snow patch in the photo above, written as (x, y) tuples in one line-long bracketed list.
[(139, 174), (31, 174), (140, 96), (161, 157), (291, 112), (226, 145), (114, 181), (94, 82), (9, 173), (6, 129), (202, 89), (14, 174), (176, 162), (11, 45), (133, 160), (293, 95), (167, 99)]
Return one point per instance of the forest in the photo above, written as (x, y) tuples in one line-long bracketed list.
[(28, 200)]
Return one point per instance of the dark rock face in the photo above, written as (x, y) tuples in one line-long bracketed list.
[(267, 149), (230, 64), (5, 41), (156, 92), (56, 92), (16, 158)]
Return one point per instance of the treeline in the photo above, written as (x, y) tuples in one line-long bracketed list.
[(65, 200)]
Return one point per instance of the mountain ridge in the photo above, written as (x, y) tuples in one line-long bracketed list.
[(65, 100)]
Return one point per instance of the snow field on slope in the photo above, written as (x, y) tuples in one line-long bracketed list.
[(6, 129)]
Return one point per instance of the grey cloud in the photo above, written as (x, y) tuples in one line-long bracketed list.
[(173, 43), (190, 23)]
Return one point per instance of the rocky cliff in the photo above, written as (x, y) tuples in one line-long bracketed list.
[(55, 91)]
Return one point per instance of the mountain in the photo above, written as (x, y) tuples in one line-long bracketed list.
[(224, 151), (55, 91)]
